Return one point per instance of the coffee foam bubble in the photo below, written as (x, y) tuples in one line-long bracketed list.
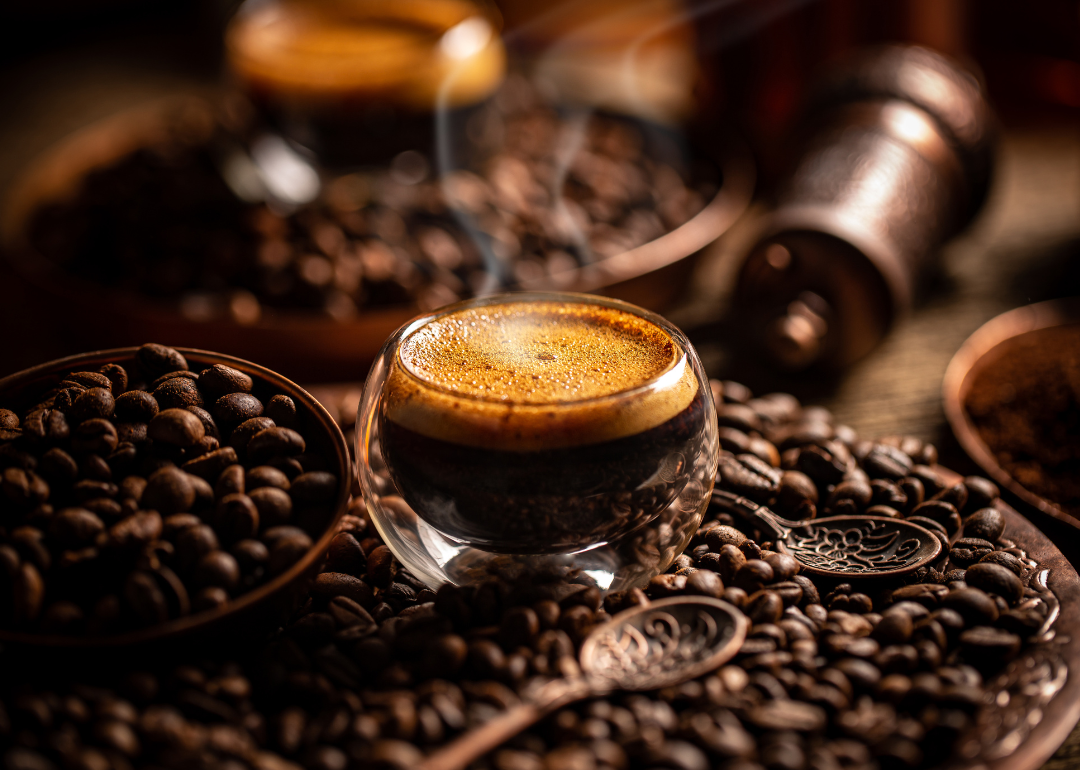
[(537, 375)]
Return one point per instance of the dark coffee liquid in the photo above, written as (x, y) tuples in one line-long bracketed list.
[(545, 501)]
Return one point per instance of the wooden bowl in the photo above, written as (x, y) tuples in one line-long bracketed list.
[(249, 613), (979, 353), (303, 345)]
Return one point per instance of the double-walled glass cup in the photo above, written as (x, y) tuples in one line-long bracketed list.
[(543, 435)]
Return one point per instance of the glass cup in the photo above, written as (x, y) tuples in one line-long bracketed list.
[(538, 435)]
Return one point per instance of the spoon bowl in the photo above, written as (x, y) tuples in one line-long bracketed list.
[(848, 547)]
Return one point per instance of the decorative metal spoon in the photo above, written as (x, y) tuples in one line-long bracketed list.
[(644, 648), (843, 546)]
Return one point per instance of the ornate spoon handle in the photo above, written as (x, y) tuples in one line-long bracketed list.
[(474, 744), (759, 514)]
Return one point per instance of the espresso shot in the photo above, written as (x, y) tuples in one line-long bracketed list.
[(541, 427)]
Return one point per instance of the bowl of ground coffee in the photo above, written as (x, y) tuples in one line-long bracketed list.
[(1012, 397), (153, 493), (538, 432)]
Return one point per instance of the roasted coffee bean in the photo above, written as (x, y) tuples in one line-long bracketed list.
[(274, 505), (177, 427), (178, 393), (969, 550), (235, 409), (314, 487), (266, 476), (246, 431), (984, 645), (286, 550), (220, 380), (250, 555), (764, 607), (752, 576), (784, 566), (887, 462), (282, 410), (73, 527), (824, 465), (1006, 560), (857, 492), (169, 491), (94, 402), (210, 427), (985, 524), (942, 512), (957, 494), (929, 478), (973, 605), (236, 517), (717, 537), (913, 488), (216, 569), (996, 579), (94, 436), (705, 583), (748, 475), (157, 360), (211, 465), (192, 543), (981, 492)]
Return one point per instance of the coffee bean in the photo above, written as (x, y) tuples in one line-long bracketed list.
[(985, 645), (220, 380), (211, 465), (969, 550), (705, 583), (287, 549), (747, 475), (752, 576), (718, 537), (216, 568), (169, 491), (784, 566), (235, 409), (314, 487), (282, 410), (94, 402), (177, 427), (178, 393), (985, 524), (73, 527), (1006, 560), (764, 607), (942, 512), (996, 579), (957, 494), (192, 544), (157, 360), (266, 476), (972, 604), (274, 505), (887, 462), (981, 492), (236, 517), (243, 433)]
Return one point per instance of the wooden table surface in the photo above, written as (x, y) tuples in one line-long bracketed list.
[(1025, 247)]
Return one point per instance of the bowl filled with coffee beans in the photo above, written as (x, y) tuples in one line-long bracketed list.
[(157, 493), (160, 209)]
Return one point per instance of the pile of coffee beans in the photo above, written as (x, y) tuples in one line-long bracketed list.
[(376, 670), (131, 495), (162, 222)]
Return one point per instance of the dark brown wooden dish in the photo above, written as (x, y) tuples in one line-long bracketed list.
[(980, 353), (298, 343), (248, 613)]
